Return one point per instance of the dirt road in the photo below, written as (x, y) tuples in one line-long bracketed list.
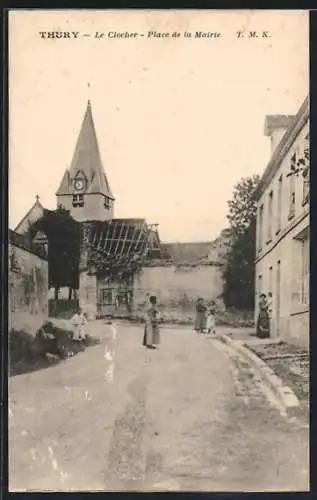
[(119, 417)]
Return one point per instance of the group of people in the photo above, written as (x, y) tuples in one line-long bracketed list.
[(264, 316), (205, 321)]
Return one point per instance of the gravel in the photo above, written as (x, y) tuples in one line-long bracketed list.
[(290, 363)]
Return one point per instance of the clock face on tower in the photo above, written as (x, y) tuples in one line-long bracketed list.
[(80, 183)]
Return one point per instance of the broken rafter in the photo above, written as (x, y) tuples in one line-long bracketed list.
[(105, 238), (99, 245), (142, 233), (95, 237), (120, 236), (111, 229), (132, 240), (145, 244), (124, 239)]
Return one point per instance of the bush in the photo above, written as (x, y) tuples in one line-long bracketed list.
[(30, 352), (236, 318), (23, 347), (231, 317)]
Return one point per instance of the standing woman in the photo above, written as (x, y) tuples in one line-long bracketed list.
[(263, 322), (200, 321), (151, 331)]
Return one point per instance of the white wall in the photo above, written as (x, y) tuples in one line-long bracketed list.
[(171, 283), (299, 145), (284, 247)]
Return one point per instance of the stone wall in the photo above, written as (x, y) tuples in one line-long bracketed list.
[(88, 294), (178, 285), (28, 281), (298, 331)]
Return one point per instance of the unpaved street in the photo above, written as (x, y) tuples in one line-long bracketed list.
[(119, 417)]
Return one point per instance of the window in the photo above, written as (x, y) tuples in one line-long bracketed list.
[(270, 279), (259, 285), (107, 202), (306, 176), (300, 295), (270, 215), (106, 296), (78, 200), (306, 188), (291, 212), (279, 204), (304, 295), (260, 229)]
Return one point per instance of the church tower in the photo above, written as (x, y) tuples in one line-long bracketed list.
[(84, 189)]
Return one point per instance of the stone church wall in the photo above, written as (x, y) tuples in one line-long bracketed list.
[(28, 282), (88, 294)]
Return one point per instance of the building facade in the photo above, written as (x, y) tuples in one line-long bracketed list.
[(282, 249)]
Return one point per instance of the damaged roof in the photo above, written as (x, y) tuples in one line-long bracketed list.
[(124, 238)]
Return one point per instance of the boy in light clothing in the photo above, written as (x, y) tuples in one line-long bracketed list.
[(79, 321)]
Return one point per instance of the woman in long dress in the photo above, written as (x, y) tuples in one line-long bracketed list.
[(200, 320), (151, 331), (263, 322)]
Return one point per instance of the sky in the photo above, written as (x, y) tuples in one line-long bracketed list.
[(179, 120)]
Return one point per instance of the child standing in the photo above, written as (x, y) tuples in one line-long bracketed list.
[(79, 321), (211, 318)]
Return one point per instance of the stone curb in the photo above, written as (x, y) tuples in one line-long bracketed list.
[(283, 393)]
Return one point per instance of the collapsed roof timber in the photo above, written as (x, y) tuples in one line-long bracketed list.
[(117, 246), (121, 244)]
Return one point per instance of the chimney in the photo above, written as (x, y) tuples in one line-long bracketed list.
[(275, 127)]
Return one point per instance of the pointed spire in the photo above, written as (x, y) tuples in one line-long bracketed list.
[(87, 156), (64, 187)]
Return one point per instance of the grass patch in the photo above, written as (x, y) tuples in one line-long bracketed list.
[(293, 370), (49, 345)]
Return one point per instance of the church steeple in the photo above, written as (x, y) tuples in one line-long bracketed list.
[(86, 179)]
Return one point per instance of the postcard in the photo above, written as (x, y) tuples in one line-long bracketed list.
[(159, 250)]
